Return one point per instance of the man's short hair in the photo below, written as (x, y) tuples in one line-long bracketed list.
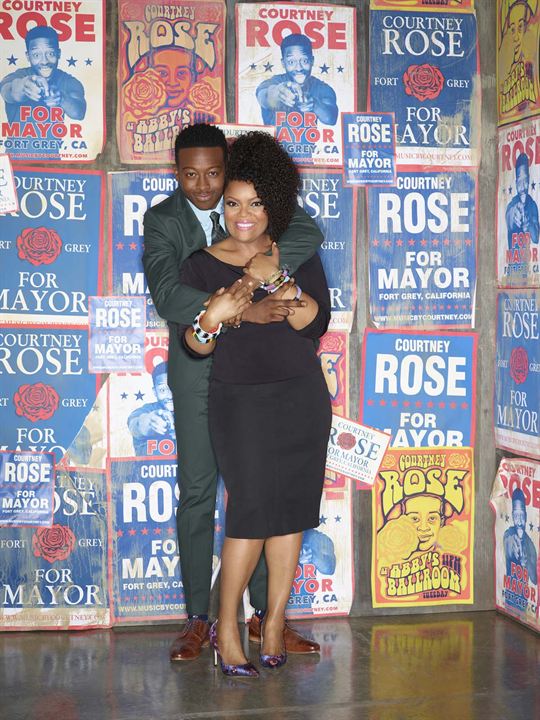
[(522, 160), (42, 31), (200, 135), (518, 496), (297, 40), (160, 369)]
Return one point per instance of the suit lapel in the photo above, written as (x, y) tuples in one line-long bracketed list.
[(191, 229)]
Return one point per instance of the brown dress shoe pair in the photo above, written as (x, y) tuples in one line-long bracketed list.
[(294, 642), (191, 640)]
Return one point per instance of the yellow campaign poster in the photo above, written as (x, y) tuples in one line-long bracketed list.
[(518, 72), (423, 528)]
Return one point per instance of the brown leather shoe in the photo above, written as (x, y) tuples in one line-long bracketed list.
[(188, 644), (294, 642)]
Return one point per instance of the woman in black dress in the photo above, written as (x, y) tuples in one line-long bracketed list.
[(269, 409)]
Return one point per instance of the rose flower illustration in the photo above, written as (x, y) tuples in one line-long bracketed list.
[(36, 402), (424, 82), (40, 246), (145, 93), (203, 96), (346, 440), (53, 543), (519, 365)]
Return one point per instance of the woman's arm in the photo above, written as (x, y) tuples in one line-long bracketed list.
[(311, 320)]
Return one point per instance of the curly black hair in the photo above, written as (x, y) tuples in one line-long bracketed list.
[(200, 135), (257, 158)]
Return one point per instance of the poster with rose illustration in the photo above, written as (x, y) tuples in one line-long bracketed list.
[(171, 73), (424, 66), (518, 193), (515, 501), (51, 252), (52, 80), (517, 372), (296, 69), (423, 528), (45, 389), (333, 353), (56, 577), (518, 70)]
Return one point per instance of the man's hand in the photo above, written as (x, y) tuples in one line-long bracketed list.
[(271, 309), (157, 422), (261, 266)]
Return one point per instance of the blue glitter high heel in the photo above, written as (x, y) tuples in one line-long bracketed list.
[(247, 670), (272, 661)]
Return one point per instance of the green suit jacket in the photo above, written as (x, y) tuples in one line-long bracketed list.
[(171, 234)]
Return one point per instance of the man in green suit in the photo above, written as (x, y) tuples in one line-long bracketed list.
[(173, 230)]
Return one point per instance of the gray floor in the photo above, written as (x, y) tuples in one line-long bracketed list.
[(463, 666)]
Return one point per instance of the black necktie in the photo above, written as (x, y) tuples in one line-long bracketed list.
[(218, 233)]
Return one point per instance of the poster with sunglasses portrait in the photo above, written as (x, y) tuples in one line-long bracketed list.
[(518, 72), (171, 73), (423, 528), (51, 69), (296, 69)]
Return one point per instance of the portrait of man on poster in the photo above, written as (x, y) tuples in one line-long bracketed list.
[(518, 546), (154, 420), (522, 210)]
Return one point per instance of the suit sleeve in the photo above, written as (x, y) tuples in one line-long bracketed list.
[(300, 241), (175, 301)]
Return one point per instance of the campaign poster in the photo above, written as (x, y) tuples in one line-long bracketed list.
[(333, 207), (432, 5), (423, 528), (333, 353), (116, 334), (369, 149), (90, 446), (171, 73), (324, 580), (424, 66), (518, 191), (415, 653), (296, 69), (56, 577), (26, 489), (51, 252), (355, 450), (420, 387), (517, 372), (515, 501), (8, 192), (141, 409), (52, 80), (422, 250), (518, 75), (46, 391)]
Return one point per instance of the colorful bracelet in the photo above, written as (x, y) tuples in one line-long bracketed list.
[(204, 336), (298, 293), (277, 282)]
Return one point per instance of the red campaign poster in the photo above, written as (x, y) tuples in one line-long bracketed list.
[(171, 73)]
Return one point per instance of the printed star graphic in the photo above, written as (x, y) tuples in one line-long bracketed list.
[(464, 405), (387, 243), (423, 242), (338, 518), (468, 242), (382, 402), (71, 61), (132, 532), (124, 396), (12, 60), (139, 395), (370, 402), (531, 527), (268, 67), (144, 531), (434, 241), (132, 246), (119, 245), (170, 531), (446, 241), (88, 61), (418, 403), (157, 531), (442, 405), (399, 242), (506, 518), (430, 403), (533, 185), (510, 190), (394, 403), (412, 242), (119, 533), (340, 68), (453, 405), (252, 66), (406, 403), (322, 520), (324, 68)]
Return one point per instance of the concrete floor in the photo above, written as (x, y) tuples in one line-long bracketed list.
[(463, 666)]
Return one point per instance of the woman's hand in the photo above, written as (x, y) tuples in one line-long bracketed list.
[(225, 304), (261, 267)]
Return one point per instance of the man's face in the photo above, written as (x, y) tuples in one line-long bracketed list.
[(200, 173), (163, 392), (43, 56), (522, 182), (518, 24), (297, 63), (519, 517), (174, 68), (424, 512)]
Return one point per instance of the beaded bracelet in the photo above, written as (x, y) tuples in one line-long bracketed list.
[(204, 336), (276, 283), (298, 293)]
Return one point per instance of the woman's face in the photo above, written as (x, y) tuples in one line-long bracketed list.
[(245, 216)]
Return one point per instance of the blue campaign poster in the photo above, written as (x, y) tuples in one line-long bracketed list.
[(517, 380), (26, 488), (46, 392), (333, 207), (424, 66), (117, 328), (132, 193), (422, 250), (420, 387), (369, 148), (51, 254)]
